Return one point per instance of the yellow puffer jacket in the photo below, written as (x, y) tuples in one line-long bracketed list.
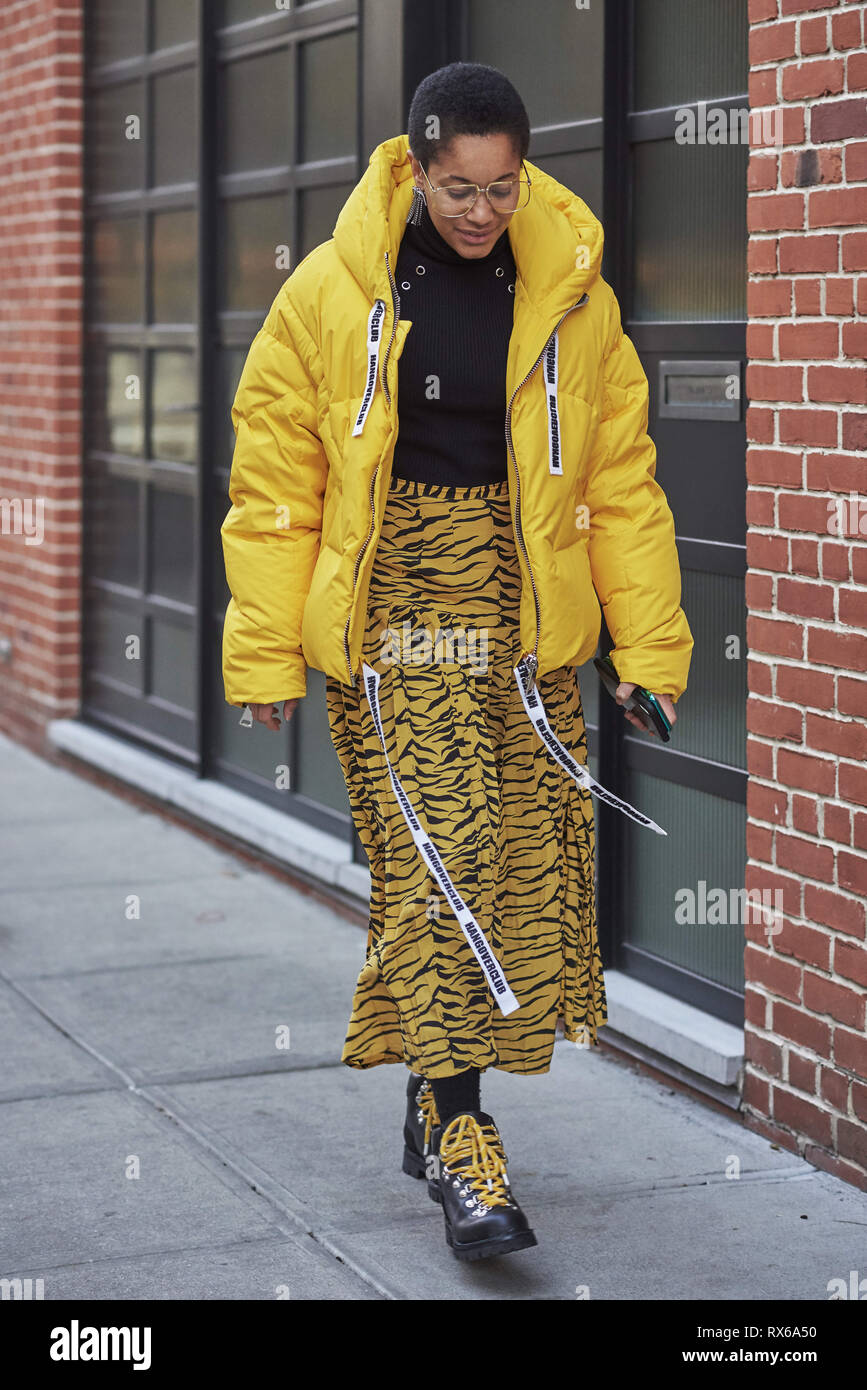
[(315, 417)]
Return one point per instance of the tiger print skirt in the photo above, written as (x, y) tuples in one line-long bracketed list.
[(513, 829)]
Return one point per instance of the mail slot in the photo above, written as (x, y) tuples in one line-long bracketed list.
[(691, 390)]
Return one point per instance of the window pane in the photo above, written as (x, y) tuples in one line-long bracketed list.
[(686, 51), (116, 31), (242, 11), (550, 50), (329, 97), (175, 267), (174, 416), (175, 127), (113, 528), (174, 22), (581, 172), (108, 650), (318, 773), (173, 658), (714, 705), (318, 213), (116, 276), (230, 362), (116, 161), (706, 841), (172, 544), (690, 231), (116, 420), (255, 113), (253, 230)]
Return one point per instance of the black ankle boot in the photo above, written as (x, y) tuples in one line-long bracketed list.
[(421, 1116), (481, 1215)]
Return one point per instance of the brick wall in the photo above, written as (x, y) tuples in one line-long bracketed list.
[(40, 377), (806, 1072)]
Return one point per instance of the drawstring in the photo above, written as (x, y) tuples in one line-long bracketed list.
[(374, 337)]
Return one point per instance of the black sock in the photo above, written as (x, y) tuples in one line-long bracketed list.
[(454, 1094)]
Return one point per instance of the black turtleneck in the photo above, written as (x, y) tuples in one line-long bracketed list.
[(452, 371)]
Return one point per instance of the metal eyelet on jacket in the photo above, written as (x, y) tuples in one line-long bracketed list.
[(500, 270), (420, 270), (405, 285), (511, 289)]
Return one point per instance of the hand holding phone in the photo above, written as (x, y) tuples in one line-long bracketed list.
[(641, 703)]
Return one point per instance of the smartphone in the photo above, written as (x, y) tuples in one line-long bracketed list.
[(640, 702)]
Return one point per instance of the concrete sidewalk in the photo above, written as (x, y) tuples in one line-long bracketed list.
[(156, 1143)]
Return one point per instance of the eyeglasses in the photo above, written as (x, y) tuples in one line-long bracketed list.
[(456, 199)]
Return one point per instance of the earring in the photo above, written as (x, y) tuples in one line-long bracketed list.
[(418, 202)]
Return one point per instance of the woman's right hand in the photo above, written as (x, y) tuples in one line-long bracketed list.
[(264, 714)]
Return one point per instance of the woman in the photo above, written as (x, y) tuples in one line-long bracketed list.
[(454, 564)]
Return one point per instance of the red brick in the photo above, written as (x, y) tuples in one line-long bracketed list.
[(850, 1051), (760, 843), (762, 171), (807, 771), (852, 1141), (760, 425), (835, 561), (854, 430), (837, 207), (756, 1007), (760, 592), (760, 337), (846, 29), (856, 162), (837, 649), (799, 1027), (853, 251), (813, 35), (837, 120), (760, 758), (761, 260), (834, 1088), (836, 473), (774, 637), (834, 910), (852, 873), (801, 855), (800, 254), (766, 803), (845, 738), (809, 341), (773, 720), (756, 1091), (853, 780), (806, 944), (854, 334), (765, 383), (805, 600), (760, 507), (767, 552), (803, 513), (850, 961), (837, 824), (825, 77), (803, 686), (808, 427), (760, 10), (803, 1073), (853, 607), (852, 696), (805, 815), (769, 298), (777, 976), (801, 1115), (808, 299), (843, 384), (805, 556), (763, 1052), (859, 831), (856, 72), (842, 1002), (772, 43), (759, 678), (776, 212)]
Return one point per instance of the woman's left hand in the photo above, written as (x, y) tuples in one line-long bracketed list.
[(625, 689)]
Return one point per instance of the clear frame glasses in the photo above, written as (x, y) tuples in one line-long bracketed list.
[(456, 199)]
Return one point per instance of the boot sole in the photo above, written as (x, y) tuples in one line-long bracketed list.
[(484, 1249), (414, 1165)]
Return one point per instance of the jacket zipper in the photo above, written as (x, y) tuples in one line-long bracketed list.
[(533, 656), (395, 301)]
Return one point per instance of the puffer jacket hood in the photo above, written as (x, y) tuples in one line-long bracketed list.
[(316, 420)]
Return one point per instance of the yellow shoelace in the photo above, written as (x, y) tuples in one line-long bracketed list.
[(477, 1152), (427, 1105)]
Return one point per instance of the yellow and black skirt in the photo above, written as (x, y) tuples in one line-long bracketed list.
[(509, 829)]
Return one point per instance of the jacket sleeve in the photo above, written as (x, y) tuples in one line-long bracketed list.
[(272, 532), (633, 555)]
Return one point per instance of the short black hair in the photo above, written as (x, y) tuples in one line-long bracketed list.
[(466, 99)]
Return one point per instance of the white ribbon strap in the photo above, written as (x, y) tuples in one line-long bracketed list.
[(505, 999), (536, 714), (552, 352), (374, 336)]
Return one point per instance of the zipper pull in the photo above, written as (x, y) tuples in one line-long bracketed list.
[(532, 663)]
